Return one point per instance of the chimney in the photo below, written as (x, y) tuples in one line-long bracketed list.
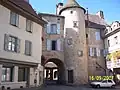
[(58, 8), (100, 14)]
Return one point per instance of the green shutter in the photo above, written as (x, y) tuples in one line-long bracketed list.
[(18, 46), (6, 42)]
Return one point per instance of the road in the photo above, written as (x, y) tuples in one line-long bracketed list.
[(55, 87)]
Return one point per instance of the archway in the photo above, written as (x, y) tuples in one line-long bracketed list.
[(54, 71)]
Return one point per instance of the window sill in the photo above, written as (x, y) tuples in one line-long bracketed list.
[(14, 25), (29, 31), (10, 51), (53, 34)]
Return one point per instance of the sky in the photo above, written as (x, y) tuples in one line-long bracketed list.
[(111, 8)]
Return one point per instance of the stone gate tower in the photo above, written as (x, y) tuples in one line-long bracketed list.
[(76, 62)]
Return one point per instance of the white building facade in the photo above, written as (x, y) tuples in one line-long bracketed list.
[(20, 46)]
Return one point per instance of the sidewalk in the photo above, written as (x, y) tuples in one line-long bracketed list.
[(32, 88)]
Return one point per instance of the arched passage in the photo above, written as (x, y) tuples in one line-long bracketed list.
[(54, 71)]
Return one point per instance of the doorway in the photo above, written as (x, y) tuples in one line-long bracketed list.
[(70, 76)]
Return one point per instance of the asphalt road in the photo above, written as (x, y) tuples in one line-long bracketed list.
[(55, 87)]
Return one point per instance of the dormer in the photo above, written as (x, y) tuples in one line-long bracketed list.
[(115, 25), (108, 30)]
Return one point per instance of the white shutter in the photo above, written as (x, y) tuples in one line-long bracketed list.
[(91, 52), (48, 28), (58, 44), (48, 44), (58, 28), (97, 34), (98, 51)]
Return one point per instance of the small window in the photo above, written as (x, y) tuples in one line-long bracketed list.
[(75, 24), (86, 35), (108, 43), (29, 25), (14, 19), (71, 12), (28, 48), (116, 40)]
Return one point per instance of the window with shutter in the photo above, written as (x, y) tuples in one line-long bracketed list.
[(14, 19), (97, 34), (94, 52), (29, 25), (11, 43), (28, 47)]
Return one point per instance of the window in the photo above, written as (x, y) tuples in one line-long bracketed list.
[(109, 81), (54, 44), (53, 28), (29, 25), (28, 48), (116, 40), (11, 43), (108, 43), (105, 81), (14, 19), (92, 52), (71, 12), (97, 34), (7, 74), (75, 24)]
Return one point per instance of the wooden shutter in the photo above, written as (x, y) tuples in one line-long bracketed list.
[(48, 28), (17, 19), (58, 44), (98, 51), (12, 18), (28, 48), (18, 45), (48, 44), (90, 51), (6, 42), (58, 28)]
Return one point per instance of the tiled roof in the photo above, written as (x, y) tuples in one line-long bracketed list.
[(23, 8), (71, 4), (25, 5), (95, 21)]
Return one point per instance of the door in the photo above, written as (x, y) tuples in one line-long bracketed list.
[(70, 76), (104, 83)]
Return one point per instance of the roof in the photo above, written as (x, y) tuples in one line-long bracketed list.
[(48, 14), (71, 4), (95, 21), (21, 6)]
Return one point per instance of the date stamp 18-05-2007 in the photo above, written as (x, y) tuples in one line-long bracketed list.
[(99, 78)]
